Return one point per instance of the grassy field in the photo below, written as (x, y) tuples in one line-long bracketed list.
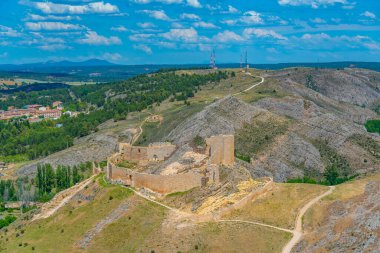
[(241, 238), (61, 232), (130, 231), (280, 206)]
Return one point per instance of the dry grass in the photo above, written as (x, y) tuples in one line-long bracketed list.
[(130, 231), (342, 192), (62, 231), (280, 206), (233, 237)]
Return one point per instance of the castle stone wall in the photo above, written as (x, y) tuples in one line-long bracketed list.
[(159, 183), (154, 152), (221, 149)]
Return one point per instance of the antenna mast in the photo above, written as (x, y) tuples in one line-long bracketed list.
[(213, 60)]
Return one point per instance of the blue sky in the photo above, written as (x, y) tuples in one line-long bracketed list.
[(185, 31)]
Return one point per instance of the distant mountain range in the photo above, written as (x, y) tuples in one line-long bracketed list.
[(54, 64), (96, 70)]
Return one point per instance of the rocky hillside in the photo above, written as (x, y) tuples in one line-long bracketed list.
[(95, 147), (348, 221), (299, 134), (354, 86), (309, 121), (222, 117)]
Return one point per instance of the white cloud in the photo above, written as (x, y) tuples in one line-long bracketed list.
[(369, 15), (325, 41), (55, 8), (313, 3), (166, 44), (146, 25), (194, 3), (252, 17), (185, 35), (53, 47), (119, 28), (190, 16), (249, 17), (92, 38), (36, 17), (160, 1), (143, 48), (262, 33), (232, 9), (141, 37), (205, 25), (8, 32), (177, 25), (318, 20), (160, 14), (228, 36), (51, 26), (111, 56)]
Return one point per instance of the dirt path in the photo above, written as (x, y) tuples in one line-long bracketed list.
[(298, 232), (61, 199), (137, 136), (253, 86), (257, 223), (113, 216)]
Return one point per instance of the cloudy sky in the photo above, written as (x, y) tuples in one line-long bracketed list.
[(185, 31)]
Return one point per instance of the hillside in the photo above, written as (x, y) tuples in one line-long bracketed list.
[(283, 129), (346, 221)]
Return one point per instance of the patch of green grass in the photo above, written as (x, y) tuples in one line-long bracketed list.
[(178, 194), (258, 135), (199, 141), (172, 117), (127, 164), (373, 126), (243, 157), (331, 158), (304, 180), (366, 143)]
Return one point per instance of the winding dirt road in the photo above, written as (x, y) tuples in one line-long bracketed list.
[(253, 86), (298, 231)]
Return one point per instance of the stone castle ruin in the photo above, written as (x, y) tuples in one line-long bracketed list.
[(192, 169)]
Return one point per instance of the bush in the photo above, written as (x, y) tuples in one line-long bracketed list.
[(373, 126), (304, 180), (6, 221), (331, 175)]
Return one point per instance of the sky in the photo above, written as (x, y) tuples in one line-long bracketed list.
[(186, 31)]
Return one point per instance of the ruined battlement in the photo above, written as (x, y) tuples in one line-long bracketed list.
[(153, 152), (219, 151)]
